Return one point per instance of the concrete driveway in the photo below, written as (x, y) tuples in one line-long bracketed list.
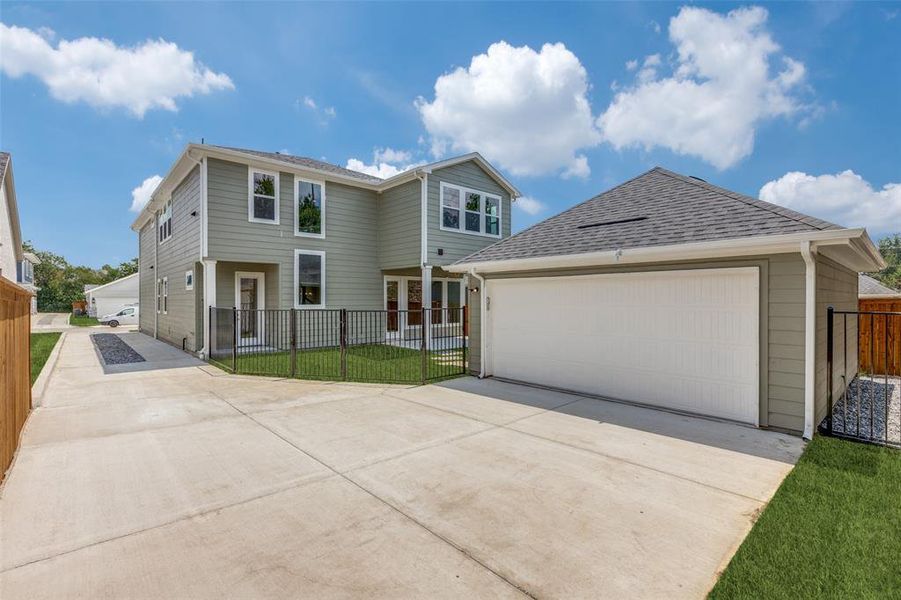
[(50, 322), (179, 481)]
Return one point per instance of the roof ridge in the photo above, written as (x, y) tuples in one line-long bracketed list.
[(289, 156), (750, 201)]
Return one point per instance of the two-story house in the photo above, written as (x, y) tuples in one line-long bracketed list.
[(230, 227)]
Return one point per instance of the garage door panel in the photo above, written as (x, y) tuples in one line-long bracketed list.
[(685, 340)]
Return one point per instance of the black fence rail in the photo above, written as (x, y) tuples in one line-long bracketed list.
[(863, 377), (389, 346)]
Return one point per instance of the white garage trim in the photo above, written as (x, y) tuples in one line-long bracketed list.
[(683, 340)]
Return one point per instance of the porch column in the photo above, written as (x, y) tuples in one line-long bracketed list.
[(427, 301), (209, 299)]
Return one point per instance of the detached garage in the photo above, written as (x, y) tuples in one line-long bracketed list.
[(670, 292)]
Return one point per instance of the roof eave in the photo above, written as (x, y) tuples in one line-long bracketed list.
[(13, 209), (851, 247)]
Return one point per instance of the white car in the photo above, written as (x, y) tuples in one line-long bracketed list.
[(126, 316)]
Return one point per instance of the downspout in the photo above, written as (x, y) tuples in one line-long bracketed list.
[(483, 321), (809, 253), (423, 177)]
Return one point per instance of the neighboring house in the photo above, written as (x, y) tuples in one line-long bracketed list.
[(25, 277), (675, 293), (10, 233), (229, 227), (110, 297), (872, 289)]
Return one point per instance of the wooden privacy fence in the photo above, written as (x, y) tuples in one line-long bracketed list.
[(15, 368), (880, 336)]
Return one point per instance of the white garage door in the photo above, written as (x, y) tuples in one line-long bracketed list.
[(683, 340)]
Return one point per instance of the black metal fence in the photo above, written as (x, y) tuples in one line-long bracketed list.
[(388, 346), (863, 378)]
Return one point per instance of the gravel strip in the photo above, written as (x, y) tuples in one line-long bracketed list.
[(865, 392), (113, 350)]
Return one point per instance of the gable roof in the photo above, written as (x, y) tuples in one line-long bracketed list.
[(309, 163), (89, 289), (868, 286), (193, 153), (12, 207), (657, 208)]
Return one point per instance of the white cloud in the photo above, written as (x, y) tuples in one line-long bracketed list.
[(526, 110), (390, 155), (386, 162), (323, 113), (139, 78), (140, 196), (631, 65), (844, 198), (720, 91), (529, 205)]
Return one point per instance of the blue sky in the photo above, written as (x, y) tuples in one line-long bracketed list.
[(797, 103)]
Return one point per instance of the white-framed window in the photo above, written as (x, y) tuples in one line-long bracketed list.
[(165, 295), (189, 280), (165, 222), (470, 211), (309, 207), (262, 196), (159, 295), (309, 279)]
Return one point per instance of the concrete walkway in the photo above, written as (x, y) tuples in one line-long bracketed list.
[(50, 322), (179, 481)]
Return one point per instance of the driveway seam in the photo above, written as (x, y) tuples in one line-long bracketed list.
[(506, 426), (358, 485)]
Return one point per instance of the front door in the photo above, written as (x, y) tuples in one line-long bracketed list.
[(250, 297)]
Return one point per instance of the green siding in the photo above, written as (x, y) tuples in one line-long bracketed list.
[(836, 287), (175, 256), (400, 226), (457, 245), (353, 277), (146, 278)]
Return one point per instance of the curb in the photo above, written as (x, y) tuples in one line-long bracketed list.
[(40, 384)]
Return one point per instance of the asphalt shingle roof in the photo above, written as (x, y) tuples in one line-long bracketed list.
[(869, 286), (657, 208), (307, 162)]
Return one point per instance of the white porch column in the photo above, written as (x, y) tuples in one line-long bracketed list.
[(209, 299), (427, 301)]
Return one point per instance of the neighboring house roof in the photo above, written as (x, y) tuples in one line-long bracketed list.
[(310, 163), (6, 178), (322, 170), (31, 257), (869, 287), (663, 209), (108, 286)]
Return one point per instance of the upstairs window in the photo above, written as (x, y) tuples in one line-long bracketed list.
[(262, 201), (165, 222), (309, 200), (470, 211)]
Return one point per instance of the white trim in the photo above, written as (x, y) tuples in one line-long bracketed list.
[(462, 209), (322, 279), (483, 322), (809, 253), (189, 286), (209, 300), (204, 210), (423, 219), (852, 247), (323, 201), (165, 296), (251, 170)]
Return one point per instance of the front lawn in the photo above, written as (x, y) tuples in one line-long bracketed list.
[(41, 346), (370, 363), (833, 529), (83, 321)]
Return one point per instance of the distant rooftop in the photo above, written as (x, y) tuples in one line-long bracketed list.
[(868, 286)]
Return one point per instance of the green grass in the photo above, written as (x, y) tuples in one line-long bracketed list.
[(41, 346), (833, 529), (371, 363), (83, 321)]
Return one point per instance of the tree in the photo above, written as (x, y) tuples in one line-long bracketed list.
[(61, 283), (890, 249)]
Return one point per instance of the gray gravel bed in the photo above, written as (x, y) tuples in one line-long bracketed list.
[(864, 393), (113, 350)]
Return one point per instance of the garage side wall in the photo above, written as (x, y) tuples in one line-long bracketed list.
[(781, 328), (836, 287), (146, 280)]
